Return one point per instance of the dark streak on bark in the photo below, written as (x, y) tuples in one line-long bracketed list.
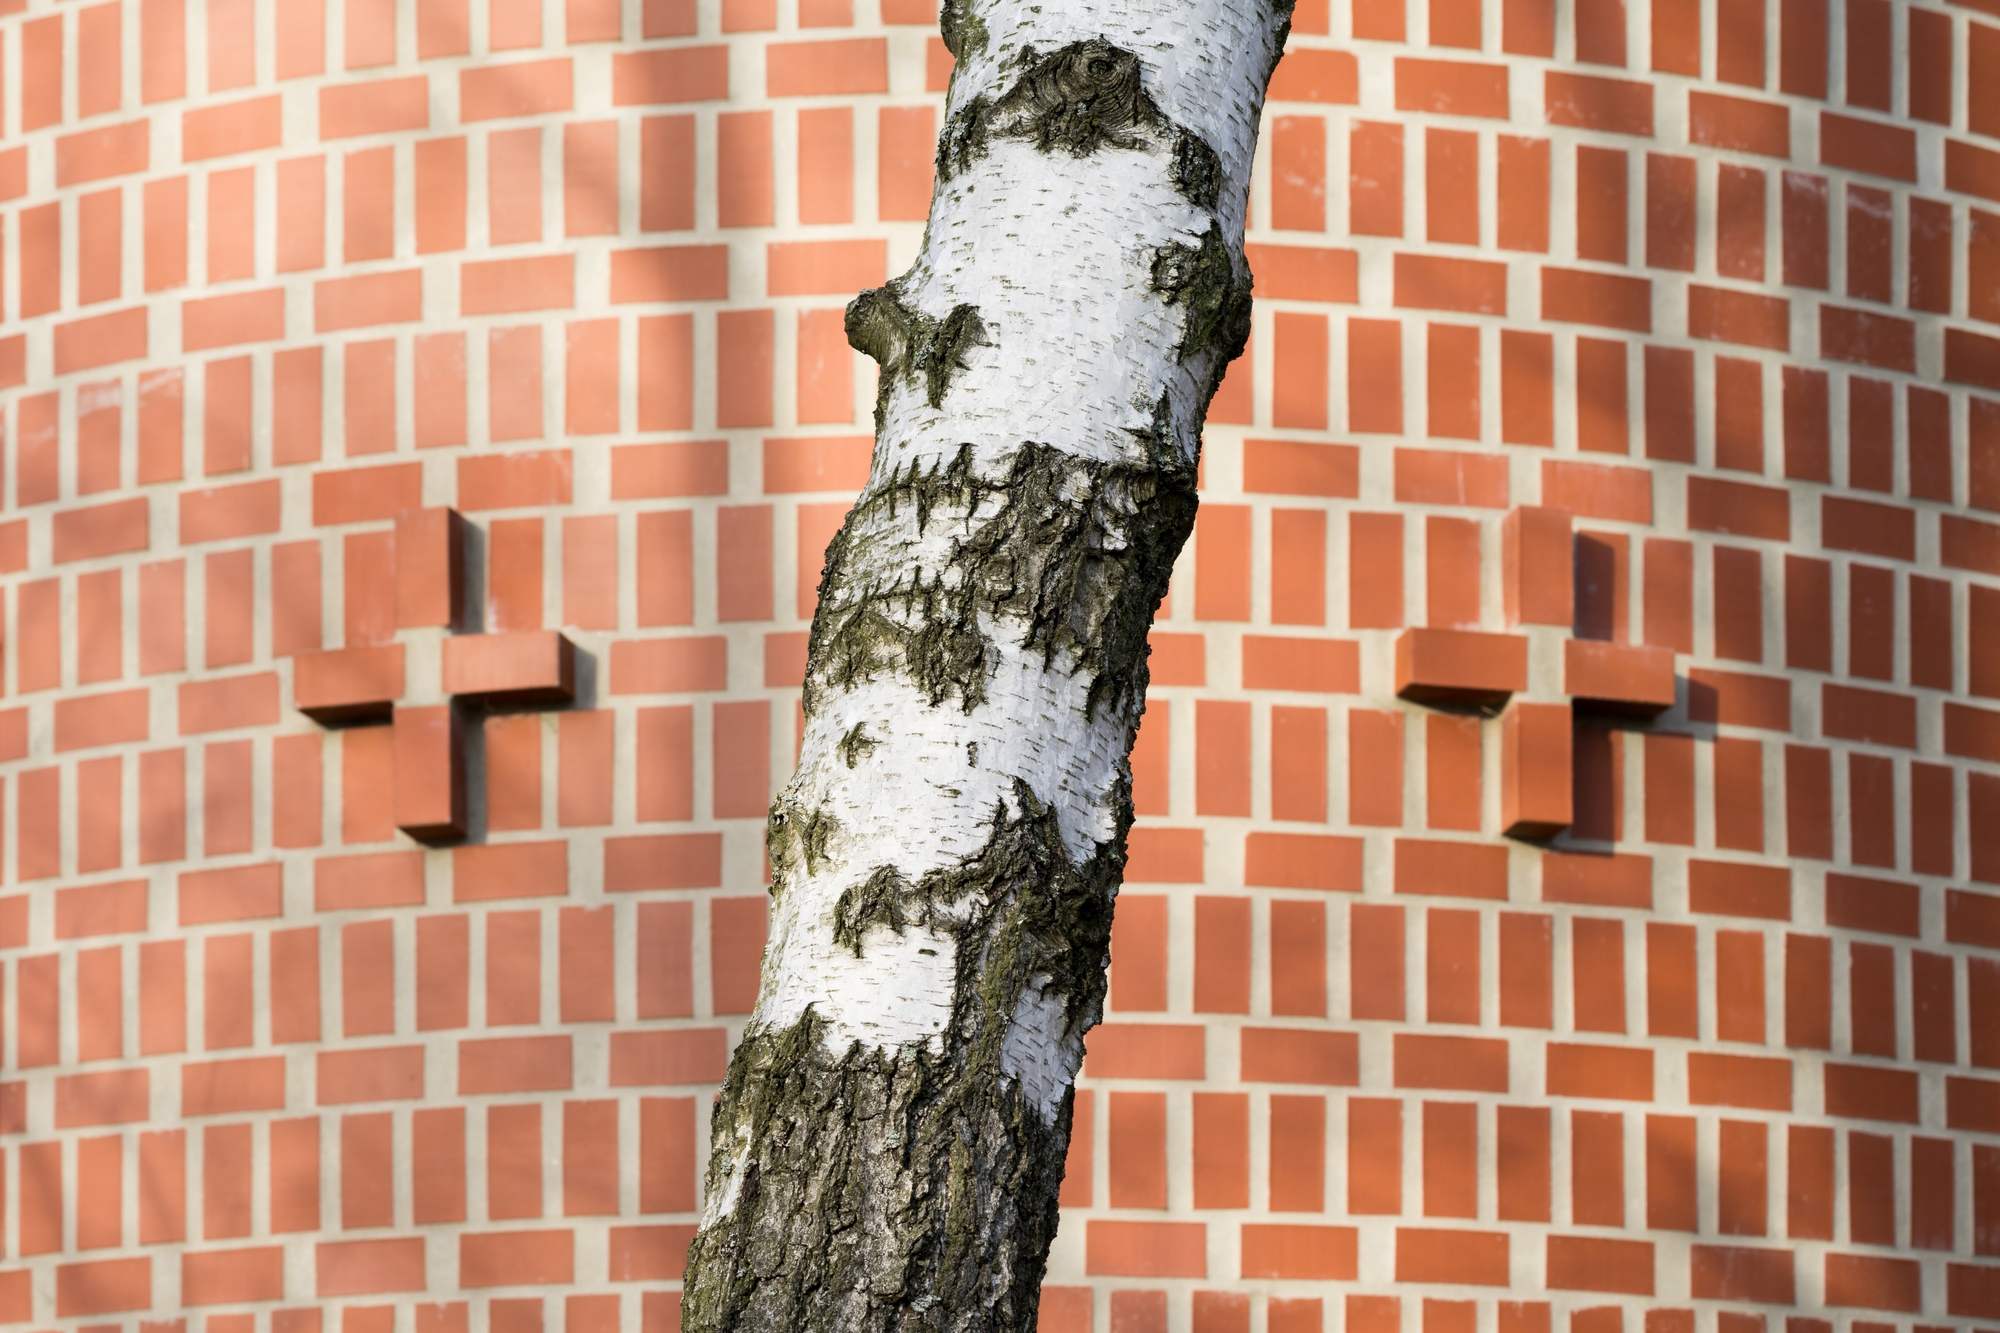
[(1074, 550), (910, 345), (1080, 99), (912, 1189), (1203, 281)]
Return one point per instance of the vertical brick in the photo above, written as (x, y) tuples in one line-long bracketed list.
[(667, 1155), (1298, 173), (1298, 1153), (1375, 571), (437, 1164), (162, 1172), (1222, 757), (1221, 955), (1222, 562), (1451, 1159), (1375, 179), (1522, 179), (665, 981), (1527, 987), (1138, 1149), (1299, 386), (590, 1158), (1139, 940), (1374, 1155), (1670, 1173), (1298, 958), (1523, 1168), (1375, 961)]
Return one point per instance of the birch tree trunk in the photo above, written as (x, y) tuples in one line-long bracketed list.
[(887, 1148)]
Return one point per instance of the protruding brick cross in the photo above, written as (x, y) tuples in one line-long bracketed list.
[(368, 684), (1538, 581)]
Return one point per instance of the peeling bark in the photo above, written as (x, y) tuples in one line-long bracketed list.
[(887, 1148)]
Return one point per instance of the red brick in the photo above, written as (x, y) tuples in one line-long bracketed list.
[(1868, 146), (812, 268), (101, 719), (224, 513), (530, 88), (510, 870), (233, 1277), (106, 529), (1867, 1092), (242, 893), (1868, 338), (227, 704), (100, 909), (1739, 123), (1458, 1258), (1872, 1282), (517, 480), (1621, 1073), (1297, 1251), (379, 107), (509, 286), (1739, 1080), (1434, 282), (1972, 1291), (1535, 781), (649, 1254), (1292, 1055), (1451, 88), (1739, 317), (673, 74), (1316, 76), (1303, 861), (514, 1064), (1622, 880), (1146, 1249), (516, 1258), (1468, 1064), (369, 1267), (1733, 1273), (1619, 678), (668, 1058), (1450, 477), (101, 340), (1460, 665), (1457, 869), (361, 495), (1145, 1050), (1605, 299), (526, 666), (1578, 1263), (1972, 1104), (107, 1286), (826, 69), (1620, 106), (383, 1074), (233, 1087), (113, 150), (112, 1097), (1972, 169), (368, 299)]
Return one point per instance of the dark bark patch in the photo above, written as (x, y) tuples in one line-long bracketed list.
[(963, 31), (1078, 100), (1202, 280), (910, 345), (856, 744), (1075, 551), (912, 1189)]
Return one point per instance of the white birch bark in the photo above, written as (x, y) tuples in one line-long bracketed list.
[(888, 1146)]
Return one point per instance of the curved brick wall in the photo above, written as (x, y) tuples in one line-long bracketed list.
[(1648, 376)]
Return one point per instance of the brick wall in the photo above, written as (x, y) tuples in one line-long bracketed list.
[(423, 422)]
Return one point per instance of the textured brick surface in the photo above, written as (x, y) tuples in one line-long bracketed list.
[(409, 393)]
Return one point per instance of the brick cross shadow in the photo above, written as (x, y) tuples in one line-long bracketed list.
[(1542, 782), (368, 685)]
